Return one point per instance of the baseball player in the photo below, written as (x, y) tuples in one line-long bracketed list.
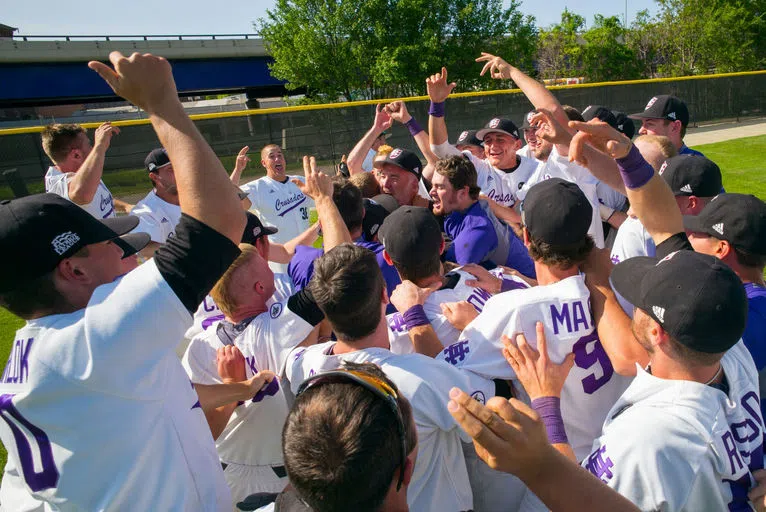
[(556, 219), (265, 331), (97, 412), (78, 166), (537, 148), (277, 200), (668, 116), (467, 141), (349, 288), (159, 212)]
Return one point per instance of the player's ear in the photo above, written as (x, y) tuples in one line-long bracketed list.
[(384, 298), (525, 234), (723, 249), (388, 258), (72, 270), (442, 246)]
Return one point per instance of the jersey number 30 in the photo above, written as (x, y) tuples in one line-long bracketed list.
[(588, 353), (37, 481)]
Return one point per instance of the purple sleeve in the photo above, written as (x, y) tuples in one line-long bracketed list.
[(519, 258), (301, 266), (391, 276), (473, 244)]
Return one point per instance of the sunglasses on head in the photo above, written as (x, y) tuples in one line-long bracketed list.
[(377, 387)]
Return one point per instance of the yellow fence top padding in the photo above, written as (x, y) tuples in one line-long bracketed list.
[(348, 104)]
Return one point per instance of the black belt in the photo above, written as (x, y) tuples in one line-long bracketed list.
[(280, 471)]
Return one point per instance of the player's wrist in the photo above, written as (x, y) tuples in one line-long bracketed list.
[(415, 316)]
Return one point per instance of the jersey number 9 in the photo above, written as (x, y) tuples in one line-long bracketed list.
[(588, 353)]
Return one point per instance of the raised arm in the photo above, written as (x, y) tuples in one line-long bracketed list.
[(357, 155), (204, 189), (438, 91), (398, 112), (650, 197), (84, 183), (239, 165), (318, 186)]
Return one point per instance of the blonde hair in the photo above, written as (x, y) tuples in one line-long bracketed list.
[(222, 291), (384, 150), (366, 182), (662, 143), (60, 139)]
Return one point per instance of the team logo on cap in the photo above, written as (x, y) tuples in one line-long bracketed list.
[(672, 115), (530, 116), (374, 229), (651, 102), (494, 123), (463, 136), (395, 153), (687, 188), (587, 108), (256, 231), (65, 241), (663, 167), (659, 313), (718, 228), (667, 258)]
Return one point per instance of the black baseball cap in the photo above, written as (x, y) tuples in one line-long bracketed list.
[(691, 175), (468, 138), (402, 158), (664, 106), (38, 231), (601, 113), (376, 210), (624, 124), (410, 234), (132, 243), (527, 120), (696, 298), (155, 159), (740, 219), (499, 125), (556, 212), (254, 229)]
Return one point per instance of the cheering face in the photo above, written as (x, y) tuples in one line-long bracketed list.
[(540, 147), (401, 184), (273, 160), (500, 149), (443, 195), (655, 127)]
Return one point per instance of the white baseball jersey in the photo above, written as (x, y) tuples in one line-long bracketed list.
[(500, 186), (632, 240), (367, 164), (610, 197), (208, 312), (440, 479), (253, 435), (681, 445), (558, 166), (98, 414), (454, 290), (102, 205), (156, 217), (282, 205), (525, 151), (592, 386)]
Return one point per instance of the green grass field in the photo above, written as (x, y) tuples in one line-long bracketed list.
[(740, 162)]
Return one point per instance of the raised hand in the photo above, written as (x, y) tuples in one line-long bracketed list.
[(549, 129), (317, 183), (537, 373), (438, 87), (242, 159), (398, 111), (382, 120), (408, 294), (601, 137), (231, 364), (259, 380), (104, 133), (144, 80), (497, 67), (459, 314)]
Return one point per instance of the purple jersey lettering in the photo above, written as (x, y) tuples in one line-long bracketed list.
[(456, 352), (600, 465)]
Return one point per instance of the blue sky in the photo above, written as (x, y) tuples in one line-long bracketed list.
[(146, 17)]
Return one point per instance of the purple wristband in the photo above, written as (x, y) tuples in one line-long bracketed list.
[(635, 171), (549, 409), (436, 109), (413, 126), (415, 317)]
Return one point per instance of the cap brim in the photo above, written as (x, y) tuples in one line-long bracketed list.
[(383, 161), (643, 115), (268, 230), (627, 276), (132, 243), (483, 132), (120, 225)]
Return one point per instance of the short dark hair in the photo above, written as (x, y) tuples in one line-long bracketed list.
[(417, 270), (348, 198), (58, 140), (560, 256), (572, 113), (34, 296), (347, 286), (693, 357), (460, 172), (341, 444), (749, 259)]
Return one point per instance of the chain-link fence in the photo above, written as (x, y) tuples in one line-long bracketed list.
[(330, 132)]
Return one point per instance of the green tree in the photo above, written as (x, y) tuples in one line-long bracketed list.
[(643, 38), (559, 50), (605, 55), (377, 48)]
